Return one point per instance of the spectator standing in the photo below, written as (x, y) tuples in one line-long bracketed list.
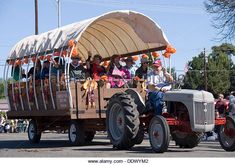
[(232, 102), (220, 104)]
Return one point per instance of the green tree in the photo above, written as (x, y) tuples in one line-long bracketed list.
[(220, 75), (1, 90)]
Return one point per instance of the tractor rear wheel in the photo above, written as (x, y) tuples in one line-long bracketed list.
[(226, 135), (159, 134), (122, 121), (138, 139)]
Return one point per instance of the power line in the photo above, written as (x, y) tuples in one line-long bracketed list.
[(143, 6)]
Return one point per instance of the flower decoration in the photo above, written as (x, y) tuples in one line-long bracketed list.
[(74, 52), (167, 55), (71, 43), (135, 58), (104, 78), (145, 56), (136, 78), (155, 55), (170, 49)]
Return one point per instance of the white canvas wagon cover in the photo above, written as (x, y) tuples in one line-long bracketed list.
[(117, 32)]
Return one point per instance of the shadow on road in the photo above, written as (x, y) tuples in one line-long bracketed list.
[(24, 144)]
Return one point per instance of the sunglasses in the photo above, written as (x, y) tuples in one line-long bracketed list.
[(145, 63)]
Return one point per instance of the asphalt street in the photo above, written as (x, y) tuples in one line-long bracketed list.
[(57, 145)]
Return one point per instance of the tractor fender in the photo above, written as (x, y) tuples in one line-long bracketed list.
[(137, 99)]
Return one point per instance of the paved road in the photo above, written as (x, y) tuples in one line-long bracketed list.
[(57, 145)]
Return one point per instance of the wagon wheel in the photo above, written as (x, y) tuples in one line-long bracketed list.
[(159, 134), (34, 135), (89, 136), (122, 121), (186, 139), (226, 135), (76, 133)]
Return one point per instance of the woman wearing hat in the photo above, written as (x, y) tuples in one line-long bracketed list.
[(130, 66), (158, 83), (96, 70), (116, 69), (142, 71)]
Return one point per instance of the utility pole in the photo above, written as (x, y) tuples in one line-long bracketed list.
[(36, 16), (205, 69), (58, 13)]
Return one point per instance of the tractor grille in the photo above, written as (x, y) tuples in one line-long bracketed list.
[(202, 117)]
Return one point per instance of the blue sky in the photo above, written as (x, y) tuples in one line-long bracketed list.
[(185, 23)]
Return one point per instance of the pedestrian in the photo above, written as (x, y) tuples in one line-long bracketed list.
[(232, 103), (220, 105)]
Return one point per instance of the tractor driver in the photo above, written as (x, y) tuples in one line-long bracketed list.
[(158, 83)]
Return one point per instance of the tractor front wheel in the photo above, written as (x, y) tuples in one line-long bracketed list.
[(159, 134), (226, 135)]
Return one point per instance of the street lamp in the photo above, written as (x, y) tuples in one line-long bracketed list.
[(205, 68), (58, 13)]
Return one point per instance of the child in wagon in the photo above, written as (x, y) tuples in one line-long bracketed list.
[(117, 72)]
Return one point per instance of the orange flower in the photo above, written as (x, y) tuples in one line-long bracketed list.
[(136, 78), (104, 78), (170, 49), (145, 56), (155, 54), (26, 60), (71, 43), (167, 55), (18, 62), (135, 58), (75, 52)]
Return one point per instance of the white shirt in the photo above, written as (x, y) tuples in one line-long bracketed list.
[(158, 79)]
